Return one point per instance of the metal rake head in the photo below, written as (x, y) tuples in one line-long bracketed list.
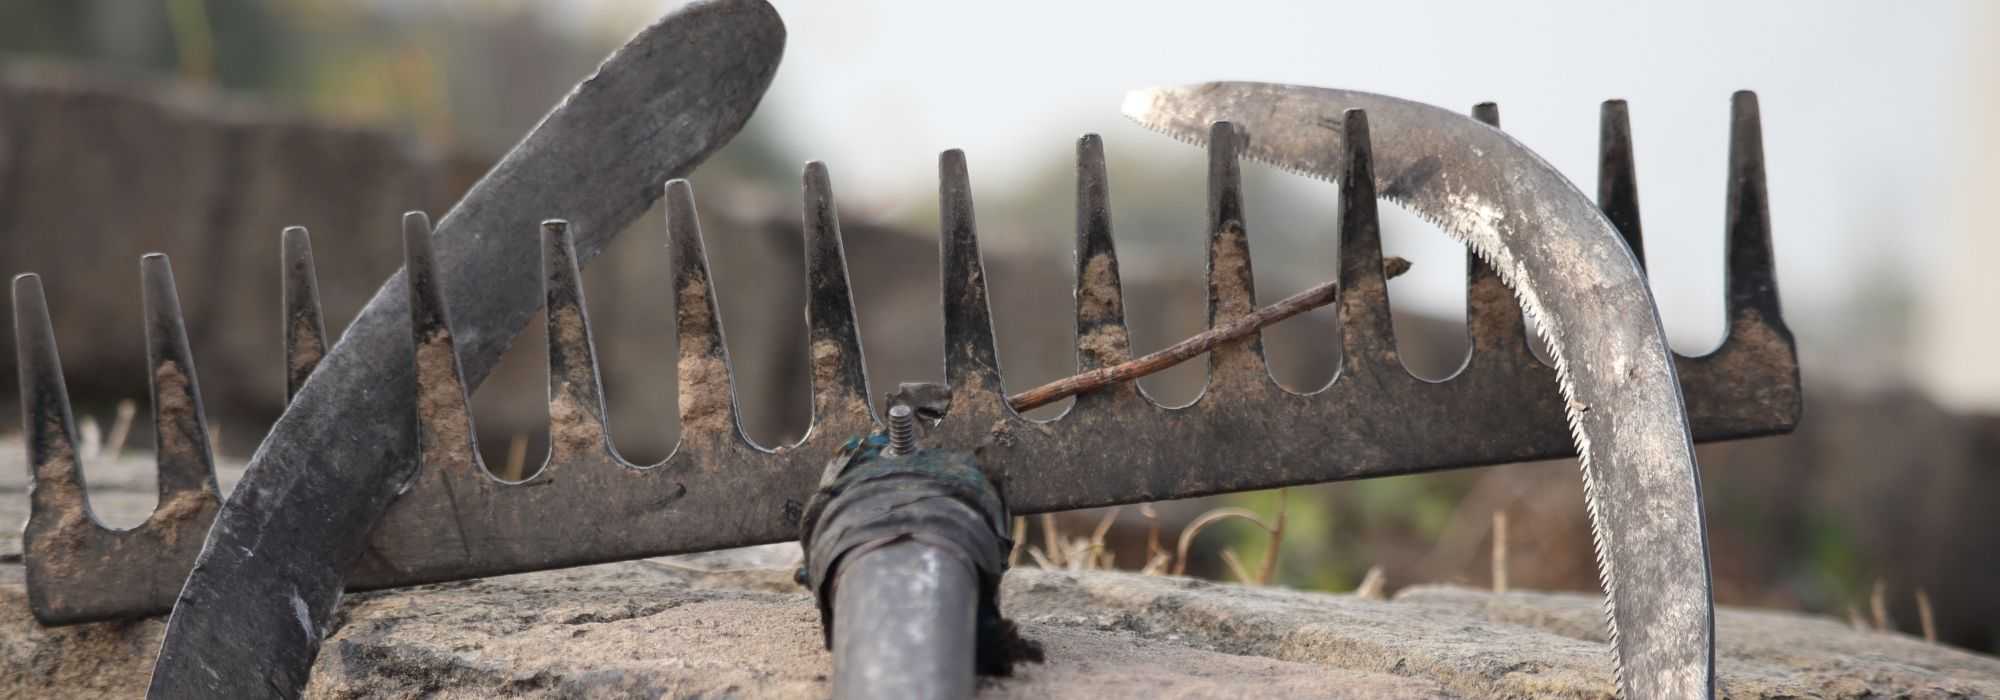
[(456, 520)]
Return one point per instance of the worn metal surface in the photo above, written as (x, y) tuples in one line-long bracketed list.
[(1114, 446), (1568, 267), (305, 326), (249, 620), (75, 564)]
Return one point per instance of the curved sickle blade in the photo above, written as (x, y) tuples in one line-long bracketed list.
[(1575, 276), (249, 620)]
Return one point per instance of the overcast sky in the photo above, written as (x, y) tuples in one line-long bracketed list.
[(1868, 107), (1864, 102)]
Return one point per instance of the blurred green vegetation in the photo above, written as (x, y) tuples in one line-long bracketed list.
[(1334, 533)]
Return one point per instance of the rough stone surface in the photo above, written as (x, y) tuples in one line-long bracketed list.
[(733, 624), (696, 628)]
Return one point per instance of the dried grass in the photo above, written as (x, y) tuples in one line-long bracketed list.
[(1925, 615), (1089, 553), (1373, 584), (1878, 605), (121, 428)]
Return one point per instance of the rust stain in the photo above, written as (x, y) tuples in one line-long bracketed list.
[(570, 334), (182, 509), (175, 407), (842, 408), (704, 400), (66, 537), (704, 376), (56, 535), (573, 425), (979, 397), (310, 348), (572, 429), (1237, 371), (1230, 260), (1234, 367), (1098, 297), (974, 294), (1752, 333), (1001, 434), (441, 404), (826, 363), (1394, 266), (58, 475), (1106, 344), (691, 306), (1492, 312)]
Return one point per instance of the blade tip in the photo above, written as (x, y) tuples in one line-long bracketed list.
[(680, 188), (1138, 104), (154, 268), (416, 227), (1744, 103), (296, 241)]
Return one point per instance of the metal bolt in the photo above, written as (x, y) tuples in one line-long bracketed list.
[(902, 430)]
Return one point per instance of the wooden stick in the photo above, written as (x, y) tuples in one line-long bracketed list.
[(1372, 584), (1878, 605), (1277, 537), (1052, 539), (121, 428), (1020, 541), (1924, 615), (1177, 353), (517, 459)]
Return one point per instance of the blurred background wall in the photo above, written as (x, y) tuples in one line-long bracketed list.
[(200, 127)]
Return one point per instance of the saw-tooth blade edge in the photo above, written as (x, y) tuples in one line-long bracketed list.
[(1668, 667)]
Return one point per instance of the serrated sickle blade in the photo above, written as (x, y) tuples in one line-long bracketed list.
[(1578, 280), (249, 620)]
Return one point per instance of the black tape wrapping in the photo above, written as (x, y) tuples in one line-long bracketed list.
[(938, 497)]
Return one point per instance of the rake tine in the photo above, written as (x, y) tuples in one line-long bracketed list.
[(1231, 287), (57, 475), (444, 416), (1101, 336), (839, 378), (1487, 113), (305, 327), (1752, 279), (576, 394), (707, 396), (185, 459), (1492, 318), (971, 364), (1368, 332), (1617, 179)]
